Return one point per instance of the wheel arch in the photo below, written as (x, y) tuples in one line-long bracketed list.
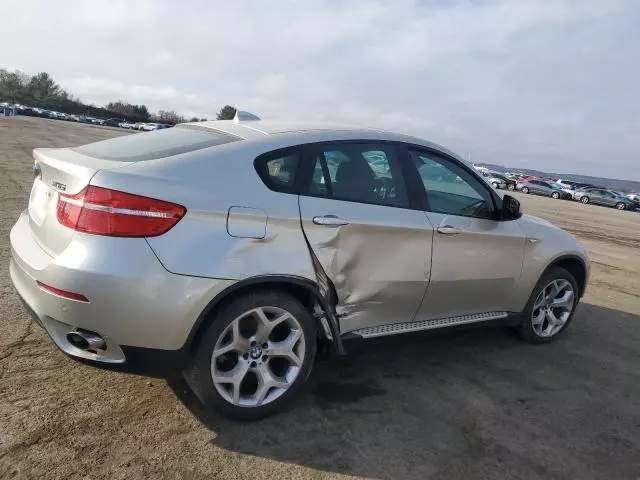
[(576, 266), (303, 289)]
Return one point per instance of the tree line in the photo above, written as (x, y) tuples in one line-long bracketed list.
[(41, 91)]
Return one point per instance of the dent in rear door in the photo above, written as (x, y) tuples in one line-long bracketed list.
[(377, 257), (379, 263)]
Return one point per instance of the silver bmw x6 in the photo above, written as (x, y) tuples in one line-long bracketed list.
[(234, 250)]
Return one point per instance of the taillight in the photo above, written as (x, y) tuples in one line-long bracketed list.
[(102, 211)]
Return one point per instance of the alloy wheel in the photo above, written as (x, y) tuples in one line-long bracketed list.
[(552, 308), (525, 190), (584, 200), (555, 195), (620, 206), (258, 356)]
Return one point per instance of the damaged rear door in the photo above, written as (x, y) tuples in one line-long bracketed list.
[(368, 239)]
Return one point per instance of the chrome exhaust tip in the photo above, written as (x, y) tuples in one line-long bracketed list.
[(86, 340)]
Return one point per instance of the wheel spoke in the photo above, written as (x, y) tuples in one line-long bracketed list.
[(538, 319), (266, 381), (565, 301), (230, 347), (266, 326), (237, 344), (540, 301), (286, 348), (233, 376), (553, 290), (554, 323)]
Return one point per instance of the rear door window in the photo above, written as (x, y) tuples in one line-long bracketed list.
[(157, 144), (359, 172)]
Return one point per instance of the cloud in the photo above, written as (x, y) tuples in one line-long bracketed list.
[(552, 84)]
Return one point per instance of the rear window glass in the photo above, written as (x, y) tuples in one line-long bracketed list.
[(156, 144), (278, 169)]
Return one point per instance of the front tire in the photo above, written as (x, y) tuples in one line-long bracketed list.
[(585, 200), (496, 185), (255, 356), (620, 206), (555, 195), (550, 308), (525, 189), (511, 187)]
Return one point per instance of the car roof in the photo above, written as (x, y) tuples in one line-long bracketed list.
[(311, 131), (274, 127)]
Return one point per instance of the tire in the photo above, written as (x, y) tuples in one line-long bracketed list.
[(585, 200), (257, 359), (531, 329), (496, 185), (525, 189), (555, 195), (511, 187), (620, 206)]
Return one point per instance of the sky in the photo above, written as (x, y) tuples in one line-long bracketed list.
[(546, 84)]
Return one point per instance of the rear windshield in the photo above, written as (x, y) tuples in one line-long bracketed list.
[(156, 144)]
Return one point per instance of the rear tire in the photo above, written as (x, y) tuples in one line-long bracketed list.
[(621, 206), (555, 195), (254, 358), (537, 324), (585, 200), (525, 189), (511, 187)]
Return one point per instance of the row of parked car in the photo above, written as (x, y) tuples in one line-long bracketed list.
[(562, 189), (110, 122)]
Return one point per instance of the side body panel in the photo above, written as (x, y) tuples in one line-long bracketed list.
[(476, 270), (544, 245), (379, 262)]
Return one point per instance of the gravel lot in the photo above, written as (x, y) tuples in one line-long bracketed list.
[(466, 404)]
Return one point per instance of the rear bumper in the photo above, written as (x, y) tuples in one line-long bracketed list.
[(134, 304)]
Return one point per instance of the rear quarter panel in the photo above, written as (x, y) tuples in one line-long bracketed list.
[(209, 183)]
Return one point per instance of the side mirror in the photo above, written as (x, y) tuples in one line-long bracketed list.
[(510, 208)]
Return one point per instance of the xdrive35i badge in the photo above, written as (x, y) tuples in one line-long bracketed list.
[(59, 186)]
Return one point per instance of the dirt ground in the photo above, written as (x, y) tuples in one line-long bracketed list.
[(467, 404)]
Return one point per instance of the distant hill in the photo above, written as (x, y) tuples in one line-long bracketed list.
[(612, 183)]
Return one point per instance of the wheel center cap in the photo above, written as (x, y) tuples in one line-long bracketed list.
[(255, 352)]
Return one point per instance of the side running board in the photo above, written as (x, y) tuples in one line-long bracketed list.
[(396, 328)]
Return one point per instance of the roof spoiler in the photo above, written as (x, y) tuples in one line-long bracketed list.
[(244, 117)]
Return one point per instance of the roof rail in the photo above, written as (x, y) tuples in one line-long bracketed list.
[(244, 116)]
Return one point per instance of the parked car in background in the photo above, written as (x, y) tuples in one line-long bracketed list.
[(153, 126), (493, 180), (243, 320), (126, 124), (608, 198), (580, 190), (542, 187), (509, 182), (113, 122)]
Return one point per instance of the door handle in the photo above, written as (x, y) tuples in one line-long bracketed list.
[(448, 230), (330, 221)]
